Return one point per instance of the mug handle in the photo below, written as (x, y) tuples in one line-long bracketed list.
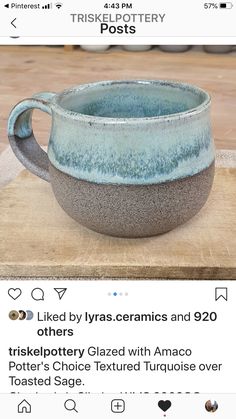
[(21, 135)]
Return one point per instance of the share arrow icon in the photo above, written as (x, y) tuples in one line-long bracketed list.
[(60, 292)]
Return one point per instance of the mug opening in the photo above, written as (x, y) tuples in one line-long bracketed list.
[(132, 99)]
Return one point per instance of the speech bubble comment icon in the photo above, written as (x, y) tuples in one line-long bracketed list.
[(37, 294)]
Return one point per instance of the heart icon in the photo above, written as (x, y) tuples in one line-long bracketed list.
[(14, 293), (164, 405)]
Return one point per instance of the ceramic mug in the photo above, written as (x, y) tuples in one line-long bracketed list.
[(125, 158)]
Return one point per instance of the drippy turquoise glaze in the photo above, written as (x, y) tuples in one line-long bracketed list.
[(131, 132)]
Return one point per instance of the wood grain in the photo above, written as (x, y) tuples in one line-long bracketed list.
[(39, 239), (26, 70)]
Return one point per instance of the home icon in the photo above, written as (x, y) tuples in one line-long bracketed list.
[(24, 407)]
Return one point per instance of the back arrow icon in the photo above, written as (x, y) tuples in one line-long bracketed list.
[(12, 22)]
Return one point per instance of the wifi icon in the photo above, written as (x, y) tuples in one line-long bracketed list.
[(58, 5)]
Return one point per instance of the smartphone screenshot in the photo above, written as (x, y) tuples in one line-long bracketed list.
[(117, 209)]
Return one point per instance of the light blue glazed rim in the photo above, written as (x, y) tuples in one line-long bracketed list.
[(120, 171), (56, 106)]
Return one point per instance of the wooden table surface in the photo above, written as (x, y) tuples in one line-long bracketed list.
[(39, 239), (27, 70)]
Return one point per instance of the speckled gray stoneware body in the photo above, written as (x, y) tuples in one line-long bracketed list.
[(125, 158)]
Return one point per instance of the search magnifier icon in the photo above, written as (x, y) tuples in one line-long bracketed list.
[(70, 405)]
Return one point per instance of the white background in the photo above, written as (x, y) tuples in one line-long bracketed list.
[(136, 406), (211, 342), (185, 22)]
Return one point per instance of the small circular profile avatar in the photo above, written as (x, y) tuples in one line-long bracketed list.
[(211, 406), (22, 315), (29, 315), (13, 315)]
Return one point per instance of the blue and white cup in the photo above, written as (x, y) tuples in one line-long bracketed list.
[(126, 158)]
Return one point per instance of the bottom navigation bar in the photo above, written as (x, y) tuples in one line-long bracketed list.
[(158, 405)]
